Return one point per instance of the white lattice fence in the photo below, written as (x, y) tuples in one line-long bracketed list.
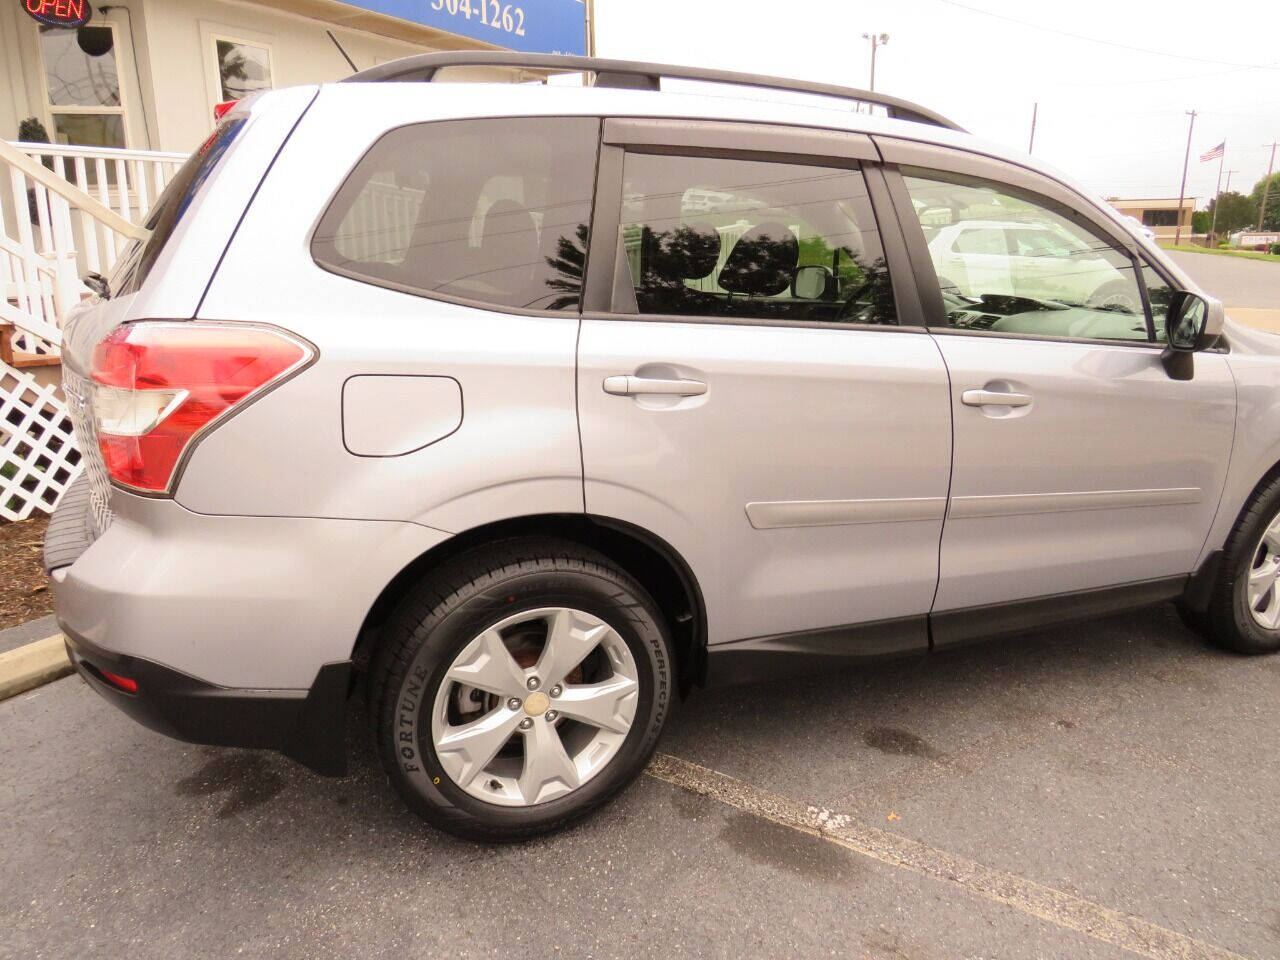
[(38, 455)]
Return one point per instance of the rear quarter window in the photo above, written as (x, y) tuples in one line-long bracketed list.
[(493, 212), (165, 216)]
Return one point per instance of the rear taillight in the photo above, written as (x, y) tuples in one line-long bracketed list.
[(159, 386), (220, 110)]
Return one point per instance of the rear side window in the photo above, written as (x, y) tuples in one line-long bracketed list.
[(727, 238), (488, 211), (173, 203)]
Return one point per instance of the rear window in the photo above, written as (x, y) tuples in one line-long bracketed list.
[(494, 212), (172, 204)]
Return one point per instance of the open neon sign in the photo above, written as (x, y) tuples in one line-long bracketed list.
[(60, 13)]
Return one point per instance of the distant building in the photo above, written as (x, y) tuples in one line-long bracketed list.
[(1161, 214)]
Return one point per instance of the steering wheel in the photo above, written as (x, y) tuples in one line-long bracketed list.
[(852, 310)]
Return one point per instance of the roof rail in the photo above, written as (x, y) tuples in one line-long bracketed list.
[(634, 75)]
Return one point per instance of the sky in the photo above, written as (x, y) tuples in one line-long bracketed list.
[(1113, 78)]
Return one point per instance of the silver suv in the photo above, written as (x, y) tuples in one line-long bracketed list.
[(524, 408)]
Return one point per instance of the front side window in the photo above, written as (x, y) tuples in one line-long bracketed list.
[(718, 237), (1008, 263), (493, 211)]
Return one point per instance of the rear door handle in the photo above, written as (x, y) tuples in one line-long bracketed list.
[(982, 398), (648, 386)]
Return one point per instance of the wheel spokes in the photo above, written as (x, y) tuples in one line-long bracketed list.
[(548, 768), (570, 637), (609, 704), (1271, 537), (486, 663), (465, 750)]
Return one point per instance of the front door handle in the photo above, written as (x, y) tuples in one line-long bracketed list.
[(652, 386), (983, 398)]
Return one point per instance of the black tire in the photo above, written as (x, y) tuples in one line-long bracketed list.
[(450, 607), (1228, 623)]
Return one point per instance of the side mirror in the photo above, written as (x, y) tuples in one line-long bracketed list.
[(1185, 323), (814, 282), (1193, 322)]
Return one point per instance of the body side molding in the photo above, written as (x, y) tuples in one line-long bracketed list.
[(1020, 504), (818, 513)]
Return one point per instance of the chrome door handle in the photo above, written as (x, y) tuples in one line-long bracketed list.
[(983, 398), (649, 386)]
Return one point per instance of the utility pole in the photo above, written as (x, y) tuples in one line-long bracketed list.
[(877, 40), (1217, 194), (1182, 191), (590, 26), (1229, 173), (1266, 186), (1035, 109)]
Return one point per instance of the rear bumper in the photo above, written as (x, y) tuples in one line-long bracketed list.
[(306, 725), (239, 631)]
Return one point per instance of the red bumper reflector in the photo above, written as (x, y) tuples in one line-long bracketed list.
[(127, 684)]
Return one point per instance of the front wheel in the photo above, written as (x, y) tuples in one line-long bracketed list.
[(521, 689), (1244, 608)]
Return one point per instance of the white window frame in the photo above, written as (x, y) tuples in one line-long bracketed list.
[(215, 79), (50, 109)]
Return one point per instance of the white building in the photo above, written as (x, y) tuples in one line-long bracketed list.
[(145, 74)]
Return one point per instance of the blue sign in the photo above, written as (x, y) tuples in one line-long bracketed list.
[(531, 26)]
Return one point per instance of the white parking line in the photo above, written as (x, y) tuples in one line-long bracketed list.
[(1057, 907)]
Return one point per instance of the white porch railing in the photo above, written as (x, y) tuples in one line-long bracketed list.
[(64, 211)]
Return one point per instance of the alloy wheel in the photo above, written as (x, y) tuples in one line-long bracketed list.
[(535, 706)]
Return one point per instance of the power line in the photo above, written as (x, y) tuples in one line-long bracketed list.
[(1109, 43)]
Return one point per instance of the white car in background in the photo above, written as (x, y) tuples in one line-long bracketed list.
[(1026, 259), (1141, 228)]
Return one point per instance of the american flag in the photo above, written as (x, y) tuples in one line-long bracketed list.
[(1215, 153)]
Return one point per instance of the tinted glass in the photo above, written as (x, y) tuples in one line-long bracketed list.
[(1046, 274), (714, 237), (494, 211), (137, 262)]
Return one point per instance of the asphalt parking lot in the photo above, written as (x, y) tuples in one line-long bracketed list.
[(1103, 790)]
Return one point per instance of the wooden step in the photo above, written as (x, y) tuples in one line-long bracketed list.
[(18, 358)]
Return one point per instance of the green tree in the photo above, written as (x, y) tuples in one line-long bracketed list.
[(1200, 220), (1272, 221), (1235, 212)]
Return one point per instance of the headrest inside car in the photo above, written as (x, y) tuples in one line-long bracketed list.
[(689, 252), (762, 262)]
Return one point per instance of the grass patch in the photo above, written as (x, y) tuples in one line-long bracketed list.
[(1242, 254)]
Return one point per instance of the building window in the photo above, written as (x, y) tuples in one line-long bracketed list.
[(243, 68), (1160, 218), (82, 86)]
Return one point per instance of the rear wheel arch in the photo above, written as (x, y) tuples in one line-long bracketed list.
[(653, 562)]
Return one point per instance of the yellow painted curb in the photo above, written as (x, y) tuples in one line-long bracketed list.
[(1260, 318), (32, 666)]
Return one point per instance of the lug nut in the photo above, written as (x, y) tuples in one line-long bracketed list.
[(555, 691), (513, 703), (551, 716), (526, 723), (532, 683)]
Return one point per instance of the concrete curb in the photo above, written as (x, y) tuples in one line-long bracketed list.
[(33, 665)]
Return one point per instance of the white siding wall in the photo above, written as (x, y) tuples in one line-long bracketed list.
[(179, 37)]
